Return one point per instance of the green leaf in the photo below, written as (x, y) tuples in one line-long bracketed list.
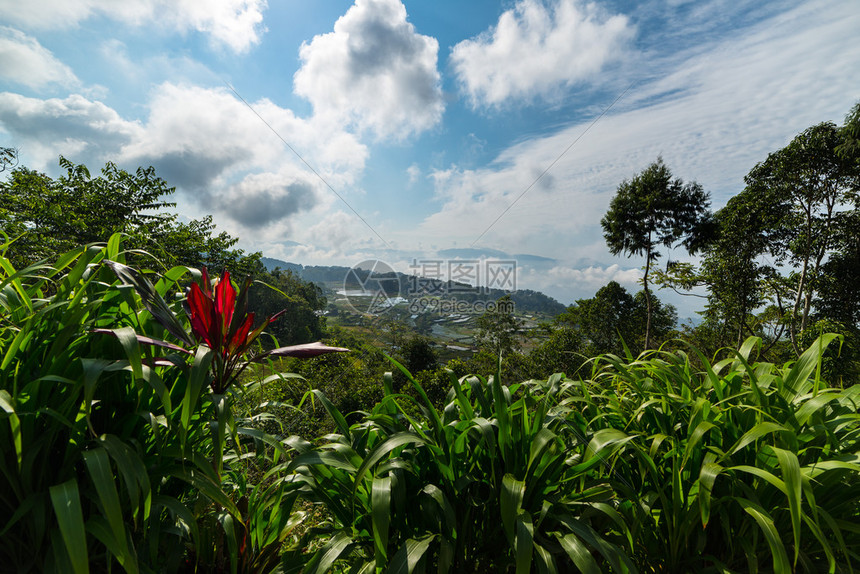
[(406, 559), (67, 506), (708, 474), (755, 433), (806, 364), (7, 405), (98, 465), (791, 477), (524, 543), (765, 522), (384, 448), (327, 555), (579, 554), (510, 501), (332, 411), (381, 515)]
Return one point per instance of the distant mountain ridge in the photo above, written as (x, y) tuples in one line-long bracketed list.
[(525, 300)]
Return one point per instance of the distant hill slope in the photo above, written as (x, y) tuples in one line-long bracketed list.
[(526, 300)]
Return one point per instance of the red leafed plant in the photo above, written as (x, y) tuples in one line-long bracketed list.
[(220, 320)]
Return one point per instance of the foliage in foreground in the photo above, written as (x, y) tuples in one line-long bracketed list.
[(119, 454), (645, 465)]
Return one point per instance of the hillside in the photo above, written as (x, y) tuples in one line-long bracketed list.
[(334, 279)]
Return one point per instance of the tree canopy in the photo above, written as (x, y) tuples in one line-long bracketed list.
[(46, 216), (653, 210)]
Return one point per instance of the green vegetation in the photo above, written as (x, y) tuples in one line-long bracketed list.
[(156, 419), (159, 463)]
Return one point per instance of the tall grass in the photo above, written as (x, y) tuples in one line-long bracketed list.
[(117, 455), (110, 447), (650, 465)]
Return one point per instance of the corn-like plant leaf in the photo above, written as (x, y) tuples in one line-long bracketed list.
[(133, 472), (152, 300), (67, 506), (98, 465), (328, 555), (755, 433), (406, 559), (579, 554), (545, 561), (707, 476), (524, 542), (510, 503), (765, 522), (180, 513), (381, 516), (332, 411), (8, 410), (381, 451), (805, 365), (790, 468)]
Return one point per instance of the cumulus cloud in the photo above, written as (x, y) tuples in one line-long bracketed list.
[(25, 61), (264, 199), (537, 48), (373, 71), (195, 135), (47, 128), (236, 24), (224, 160), (594, 277)]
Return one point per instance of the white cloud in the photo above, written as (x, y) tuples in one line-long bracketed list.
[(72, 126), (413, 172), (374, 71), (25, 61), (236, 24), (536, 49), (197, 135), (263, 200), (721, 111), (594, 277), (206, 142)]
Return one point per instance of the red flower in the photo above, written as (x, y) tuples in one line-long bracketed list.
[(219, 319), (214, 317)]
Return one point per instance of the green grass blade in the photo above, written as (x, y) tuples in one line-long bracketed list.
[(384, 448), (579, 554), (98, 465), (7, 406), (406, 559), (791, 477), (381, 516), (510, 502), (525, 542), (328, 555), (765, 522), (66, 501)]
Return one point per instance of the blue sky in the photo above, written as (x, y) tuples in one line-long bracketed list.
[(447, 126)]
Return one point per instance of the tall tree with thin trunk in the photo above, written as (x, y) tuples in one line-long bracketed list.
[(653, 210), (813, 186)]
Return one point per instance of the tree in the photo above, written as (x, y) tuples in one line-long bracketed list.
[(8, 158), (850, 146), (811, 187), (614, 318), (733, 269), (652, 210), (498, 329), (301, 300), (563, 351), (46, 216)]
